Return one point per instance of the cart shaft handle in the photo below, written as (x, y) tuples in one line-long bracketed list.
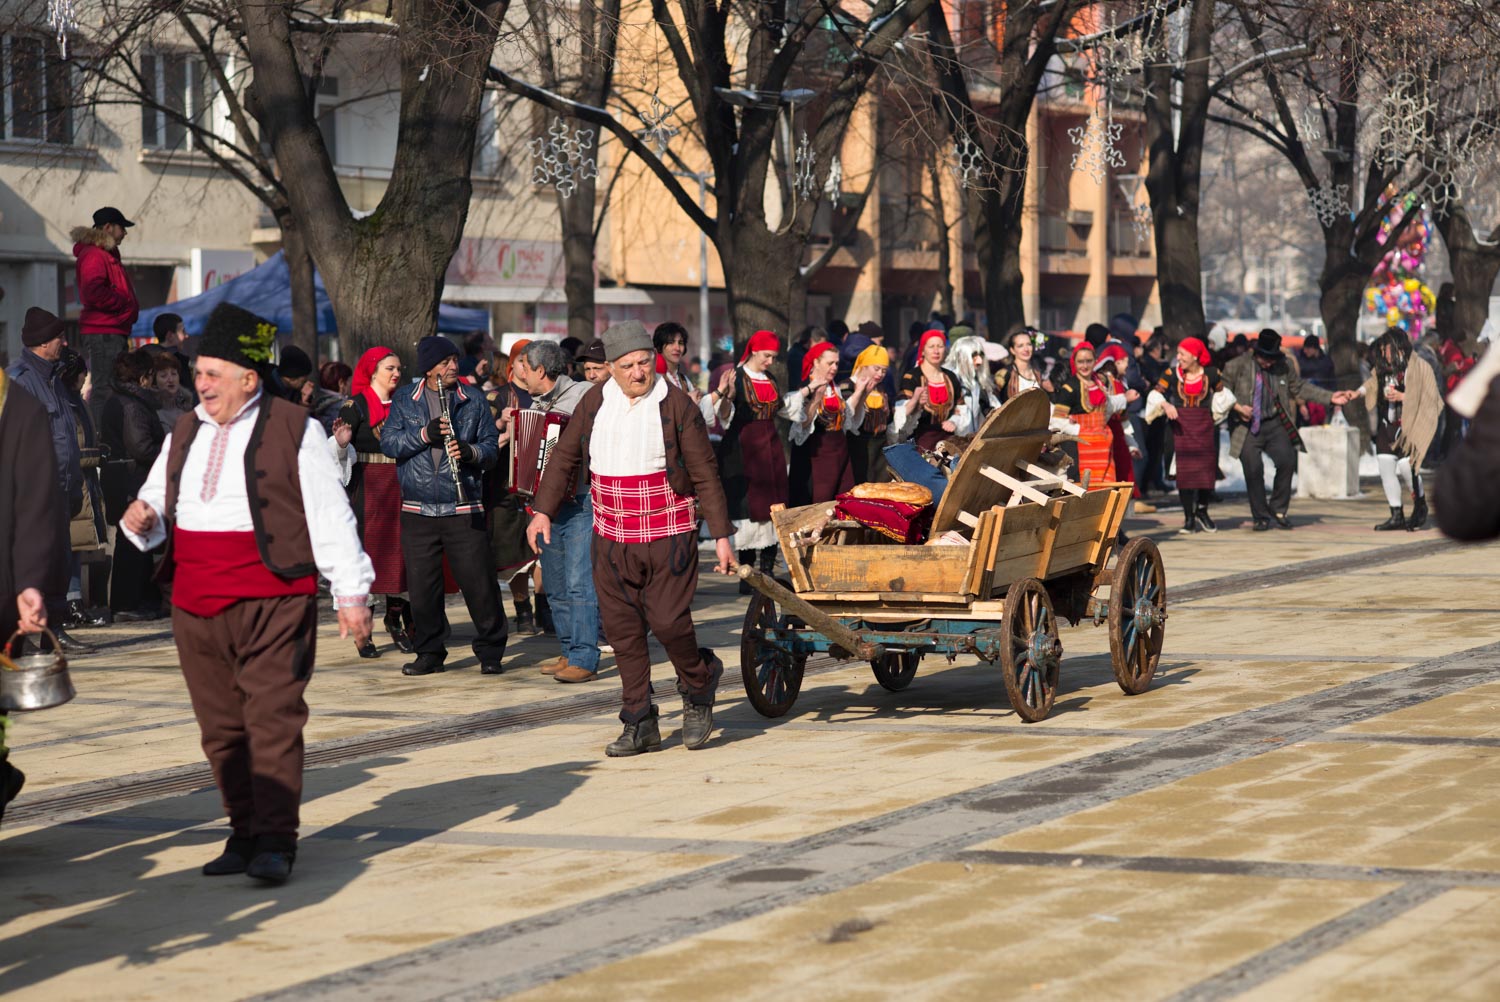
[(825, 624)]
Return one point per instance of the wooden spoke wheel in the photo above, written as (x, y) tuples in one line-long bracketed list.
[(1137, 615), (895, 669), (772, 674), (1030, 652)]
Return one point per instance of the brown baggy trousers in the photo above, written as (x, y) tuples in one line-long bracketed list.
[(651, 586), (246, 670)]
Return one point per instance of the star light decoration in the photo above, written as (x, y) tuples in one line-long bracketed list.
[(1311, 124), (657, 132), (968, 161), (62, 18), (1329, 203), (1097, 142), (562, 159), (806, 178)]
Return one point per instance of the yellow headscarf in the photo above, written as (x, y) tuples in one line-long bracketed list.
[(873, 355)]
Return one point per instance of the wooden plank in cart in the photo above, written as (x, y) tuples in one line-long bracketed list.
[(1014, 435), (899, 569)]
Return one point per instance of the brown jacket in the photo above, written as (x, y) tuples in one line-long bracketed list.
[(691, 467), (272, 481)]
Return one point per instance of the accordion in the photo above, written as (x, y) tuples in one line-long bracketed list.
[(533, 435)]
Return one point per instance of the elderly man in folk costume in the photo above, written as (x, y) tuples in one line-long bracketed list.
[(255, 508), (653, 474)]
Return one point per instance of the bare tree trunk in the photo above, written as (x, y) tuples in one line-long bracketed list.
[(1174, 173), (304, 292), (760, 269), (1474, 265), (577, 214), (997, 244), (384, 273)]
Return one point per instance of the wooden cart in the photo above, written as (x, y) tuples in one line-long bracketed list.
[(1036, 548)]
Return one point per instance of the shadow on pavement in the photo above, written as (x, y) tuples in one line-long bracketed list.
[(117, 907)]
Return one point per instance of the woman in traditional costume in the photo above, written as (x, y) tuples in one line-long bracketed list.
[(870, 414), (1088, 399), (822, 468), (1188, 389), (752, 463), (1024, 373), (374, 493), (931, 397)]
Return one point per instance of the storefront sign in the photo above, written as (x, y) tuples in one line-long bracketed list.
[(212, 268), (497, 262)]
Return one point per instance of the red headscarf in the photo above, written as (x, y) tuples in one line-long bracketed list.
[(1095, 385), (364, 373), (1198, 349), (928, 336), (760, 341), (661, 364), (820, 348)]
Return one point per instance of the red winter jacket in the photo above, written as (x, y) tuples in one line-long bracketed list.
[(109, 304)]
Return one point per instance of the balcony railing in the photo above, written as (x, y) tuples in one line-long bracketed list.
[(1058, 236), (1125, 240)]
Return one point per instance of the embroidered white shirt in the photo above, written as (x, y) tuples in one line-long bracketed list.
[(794, 409), (627, 439), (212, 498)]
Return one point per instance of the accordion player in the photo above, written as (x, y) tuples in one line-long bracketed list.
[(534, 433)]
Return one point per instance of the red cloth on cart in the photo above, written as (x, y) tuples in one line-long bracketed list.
[(905, 523)]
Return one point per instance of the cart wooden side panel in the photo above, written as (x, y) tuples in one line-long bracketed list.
[(889, 569), (1045, 541)]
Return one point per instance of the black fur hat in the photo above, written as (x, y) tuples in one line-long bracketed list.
[(238, 336)]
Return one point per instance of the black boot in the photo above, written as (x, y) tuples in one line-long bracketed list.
[(1396, 521), (643, 736), (768, 560), (544, 616), (1204, 521), (525, 622), (80, 618), (1189, 514), (1418, 513), (747, 557), (273, 859), (235, 858)]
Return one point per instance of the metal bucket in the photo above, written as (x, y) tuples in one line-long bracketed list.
[(34, 681)]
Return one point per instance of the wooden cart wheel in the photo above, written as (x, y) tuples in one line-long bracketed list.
[(1030, 652), (1137, 615), (772, 676), (894, 670)]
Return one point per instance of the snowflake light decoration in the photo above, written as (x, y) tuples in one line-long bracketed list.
[(1329, 203), (1097, 142), (833, 184), (657, 132), (1403, 117), (1140, 218), (62, 18), (1311, 124), (562, 159), (806, 178), (1452, 164), (968, 161)]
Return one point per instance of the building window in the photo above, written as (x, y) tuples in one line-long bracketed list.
[(326, 111), (37, 91), (181, 101)]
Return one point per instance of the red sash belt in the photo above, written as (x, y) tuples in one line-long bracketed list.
[(214, 570), (640, 509)]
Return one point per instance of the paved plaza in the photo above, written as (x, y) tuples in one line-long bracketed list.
[(1302, 806)]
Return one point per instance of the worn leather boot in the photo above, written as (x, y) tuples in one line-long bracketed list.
[(1396, 521), (234, 859), (644, 736), (1418, 513), (525, 621)]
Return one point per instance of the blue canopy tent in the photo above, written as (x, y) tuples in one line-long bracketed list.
[(266, 291)]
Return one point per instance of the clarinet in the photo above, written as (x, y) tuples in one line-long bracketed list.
[(458, 485)]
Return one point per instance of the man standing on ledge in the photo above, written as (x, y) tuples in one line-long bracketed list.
[(653, 474), (442, 508), (256, 510)]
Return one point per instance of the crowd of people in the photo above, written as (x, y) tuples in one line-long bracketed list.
[(234, 480)]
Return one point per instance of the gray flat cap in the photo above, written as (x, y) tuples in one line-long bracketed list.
[(625, 337)]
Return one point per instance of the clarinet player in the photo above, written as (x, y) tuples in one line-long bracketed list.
[(442, 438)]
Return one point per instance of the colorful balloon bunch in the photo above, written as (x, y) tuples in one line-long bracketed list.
[(1397, 293)]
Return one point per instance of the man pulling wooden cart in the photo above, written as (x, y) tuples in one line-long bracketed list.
[(1013, 547)]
